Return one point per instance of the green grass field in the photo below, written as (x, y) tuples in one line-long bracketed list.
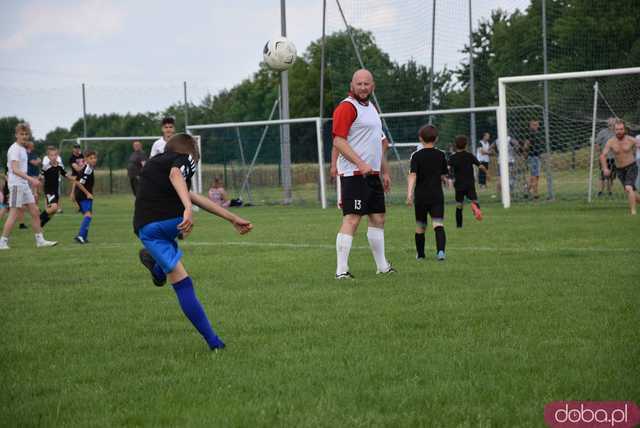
[(534, 304)]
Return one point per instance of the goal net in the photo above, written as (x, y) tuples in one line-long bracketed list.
[(560, 152), (246, 158)]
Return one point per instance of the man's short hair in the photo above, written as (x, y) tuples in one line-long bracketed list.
[(428, 133), (620, 122), (184, 144), (168, 120), (23, 126), (77, 146), (461, 142)]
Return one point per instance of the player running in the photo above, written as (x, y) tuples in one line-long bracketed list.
[(360, 144), (20, 194), (623, 148), (163, 209), (424, 190), (85, 199), (462, 162), (52, 170)]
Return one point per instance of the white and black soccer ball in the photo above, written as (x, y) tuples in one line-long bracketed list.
[(279, 53)]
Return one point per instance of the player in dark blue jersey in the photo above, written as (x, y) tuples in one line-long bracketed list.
[(163, 210), (85, 200), (424, 190), (51, 173), (461, 164)]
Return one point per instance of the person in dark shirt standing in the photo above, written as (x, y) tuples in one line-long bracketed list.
[(163, 209), (134, 167), (461, 163), (85, 202), (424, 190), (534, 145), (51, 172)]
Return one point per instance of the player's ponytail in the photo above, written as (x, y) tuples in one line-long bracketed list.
[(184, 144)]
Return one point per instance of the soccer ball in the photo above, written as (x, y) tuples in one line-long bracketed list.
[(279, 53)]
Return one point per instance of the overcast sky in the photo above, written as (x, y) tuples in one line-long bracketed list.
[(134, 55)]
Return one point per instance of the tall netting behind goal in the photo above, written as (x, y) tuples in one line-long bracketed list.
[(246, 158), (561, 154)]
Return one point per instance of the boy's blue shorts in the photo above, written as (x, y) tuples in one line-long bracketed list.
[(86, 205), (159, 238)]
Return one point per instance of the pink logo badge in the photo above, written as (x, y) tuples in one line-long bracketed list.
[(592, 414)]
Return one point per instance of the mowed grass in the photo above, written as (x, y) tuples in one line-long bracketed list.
[(534, 304)]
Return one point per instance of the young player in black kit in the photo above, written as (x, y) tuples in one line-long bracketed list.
[(461, 163), (164, 209), (85, 201), (424, 190), (51, 175)]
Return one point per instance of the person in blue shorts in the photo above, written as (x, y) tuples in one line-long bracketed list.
[(163, 210), (85, 199)]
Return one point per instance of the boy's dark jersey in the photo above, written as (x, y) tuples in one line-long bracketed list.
[(429, 165), (157, 199), (51, 177), (73, 159), (462, 165), (86, 179)]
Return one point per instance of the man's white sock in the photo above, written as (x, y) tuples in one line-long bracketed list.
[(376, 243), (343, 247)]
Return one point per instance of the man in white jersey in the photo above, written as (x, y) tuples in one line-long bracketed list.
[(168, 129), (360, 146), (20, 194)]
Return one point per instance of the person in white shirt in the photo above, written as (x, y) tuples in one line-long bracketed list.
[(359, 147), (20, 194), (483, 152), (168, 130)]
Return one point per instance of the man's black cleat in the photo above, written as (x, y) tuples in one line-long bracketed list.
[(147, 260), (346, 275)]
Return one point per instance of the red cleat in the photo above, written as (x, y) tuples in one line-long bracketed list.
[(476, 211)]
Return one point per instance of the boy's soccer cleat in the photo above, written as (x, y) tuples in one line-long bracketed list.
[(346, 275), (476, 211), (4, 245), (45, 243), (217, 344), (440, 256), (389, 271), (23, 226), (80, 240), (420, 258), (147, 260)]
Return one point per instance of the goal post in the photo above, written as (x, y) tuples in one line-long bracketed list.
[(573, 110), (217, 133)]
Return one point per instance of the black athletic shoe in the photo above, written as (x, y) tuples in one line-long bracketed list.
[(346, 275), (22, 226), (147, 260), (389, 271)]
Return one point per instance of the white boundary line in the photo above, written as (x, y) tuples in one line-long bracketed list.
[(187, 244)]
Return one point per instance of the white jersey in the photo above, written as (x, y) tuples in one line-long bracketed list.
[(483, 145), (46, 163), (158, 147), (17, 153), (365, 138)]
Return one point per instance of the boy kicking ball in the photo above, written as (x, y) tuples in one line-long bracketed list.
[(163, 210), (424, 190), (462, 162)]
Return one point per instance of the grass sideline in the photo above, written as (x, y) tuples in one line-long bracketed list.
[(535, 304)]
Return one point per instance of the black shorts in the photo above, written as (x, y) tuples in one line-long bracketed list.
[(469, 192), (435, 210), (362, 195), (52, 198), (628, 175), (611, 164)]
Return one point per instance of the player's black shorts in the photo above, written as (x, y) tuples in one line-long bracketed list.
[(435, 210), (362, 195), (611, 164), (468, 191), (52, 198), (628, 175)]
